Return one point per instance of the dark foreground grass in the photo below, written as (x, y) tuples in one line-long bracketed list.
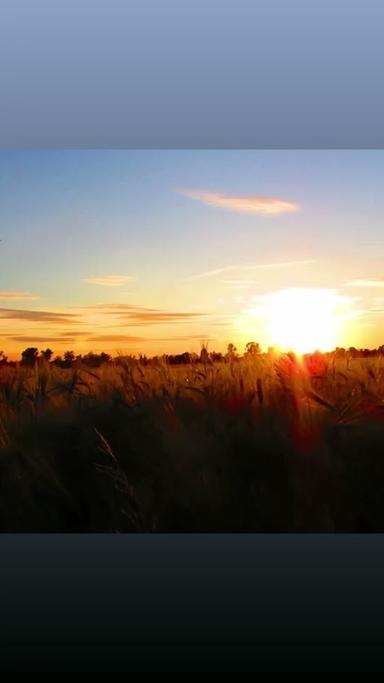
[(255, 445)]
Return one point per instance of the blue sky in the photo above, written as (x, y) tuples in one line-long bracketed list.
[(157, 219)]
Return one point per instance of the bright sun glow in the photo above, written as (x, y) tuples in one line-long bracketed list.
[(298, 319), (304, 320)]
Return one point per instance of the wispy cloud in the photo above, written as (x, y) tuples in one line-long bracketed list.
[(188, 337), (117, 338), (375, 284), (253, 204), (124, 338), (38, 316), (238, 268), (137, 315), (109, 280), (13, 296), (365, 283), (65, 335), (30, 339)]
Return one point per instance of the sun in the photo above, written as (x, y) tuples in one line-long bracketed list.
[(304, 320)]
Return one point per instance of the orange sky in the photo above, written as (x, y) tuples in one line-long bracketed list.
[(159, 251)]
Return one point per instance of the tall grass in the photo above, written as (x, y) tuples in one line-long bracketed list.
[(264, 443)]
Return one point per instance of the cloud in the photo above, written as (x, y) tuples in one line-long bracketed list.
[(253, 204), (5, 296), (260, 266), (29, 339), (365, 283), (137, 315), (38, 316), (117, 338), (65, 335), (109, 280), (122, 338)]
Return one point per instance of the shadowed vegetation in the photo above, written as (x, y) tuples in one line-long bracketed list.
[(262, 442)]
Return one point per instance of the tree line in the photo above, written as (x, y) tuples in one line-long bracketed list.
[(32, 356)]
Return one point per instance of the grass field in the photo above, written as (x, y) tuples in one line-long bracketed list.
[(257, 444)]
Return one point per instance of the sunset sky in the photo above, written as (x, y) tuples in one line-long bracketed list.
[(157, 251)]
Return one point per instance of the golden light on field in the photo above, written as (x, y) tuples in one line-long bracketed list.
[(304, 320)]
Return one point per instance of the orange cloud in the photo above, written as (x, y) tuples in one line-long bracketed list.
[(5, 296), (253, 204), (29, 339), (137, 315), (109, 280), (38, 316), (118, 338)]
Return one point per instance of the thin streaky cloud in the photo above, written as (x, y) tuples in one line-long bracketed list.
[(260, 266), (117, 338), (122, 338), (252, 204), (187, 337), (14, 296), (29, 339), (38, 316), (109, 280), (65, 335), (135, 316), (365, 283)]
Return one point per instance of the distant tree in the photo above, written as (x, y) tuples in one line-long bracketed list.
[(231, 352), (252, 349), (69, 359), (47, 354), (204, 355), (3, 358), (180, 358), (353, 352), (339, 352), (29, 356), (216, 356), (94, 360)]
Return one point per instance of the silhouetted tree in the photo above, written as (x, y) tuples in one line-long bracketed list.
[(216, 356), (339, 352), (180, 358), (47, 354), (69, 359), (204, 355), (252, 349), (29, 356), (94, 360), (231, 352)]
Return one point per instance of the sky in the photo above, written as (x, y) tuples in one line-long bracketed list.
[(155, 251)]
